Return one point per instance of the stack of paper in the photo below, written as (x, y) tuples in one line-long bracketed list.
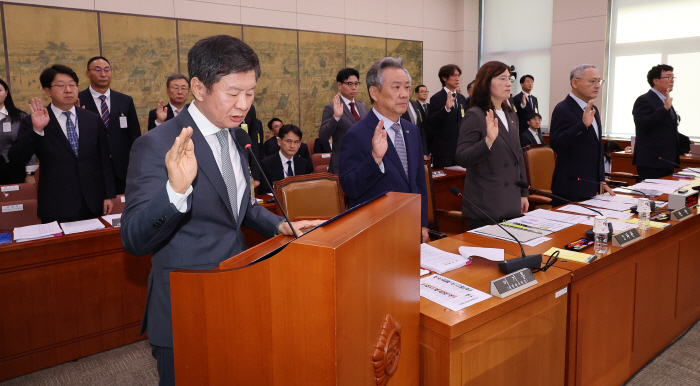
[(528, 238), (38, 231), (617, 225), (449, 293), (81, 226), (648, 192), (493, 254), (111, 217), (542, 224), (439, 261), (557, 216), (619, 206), (695, 171), (607, 213), (663, 188)]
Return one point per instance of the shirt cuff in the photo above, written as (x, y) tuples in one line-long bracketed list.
[(381, 166), (448, 110), (156, 122), (178, 199), (40, 132), (336, 119)]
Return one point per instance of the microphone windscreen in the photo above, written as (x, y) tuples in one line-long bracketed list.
[(522, 185), (242, 137), (455, 190)]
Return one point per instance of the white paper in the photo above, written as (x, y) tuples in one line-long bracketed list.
[(12, 208), (108, 218), (617, 225), (424, 272), (81, 226), (622, 199), (456, 167), (493, 254), (438, 260), (542, 224), (9, 188), (449, 293), (35, 232), (648, 192), (666, 189), (606, 212), (691, 170), (676, 183), (557, 216), (537, 241), (607, 204)]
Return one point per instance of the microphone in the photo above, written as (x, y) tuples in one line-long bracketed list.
[(244, 140), (652, 204), (671, 162), (512, 265)]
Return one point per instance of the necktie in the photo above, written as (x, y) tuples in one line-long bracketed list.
[(177, 111), (529, 102), (425, 109), (400, 146), (290, 172), (104, 111), (354, 112), (70, 133), (227, 172)]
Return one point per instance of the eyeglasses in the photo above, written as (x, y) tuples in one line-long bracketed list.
[(106, 70), (183, 89), (593, 81), (350, 84), (63, 86), (503, 79), (290, 142), (669, 77)]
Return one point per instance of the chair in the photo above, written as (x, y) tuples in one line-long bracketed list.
[(433, 230), (311, 196), (19, 217), (539, 167), (321, 169), (119, 204), (310, 145), (321, 159), (17, 192)]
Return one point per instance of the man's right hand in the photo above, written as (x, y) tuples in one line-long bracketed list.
[(181, 163), (161, 113), (379, 142), (589, 114), (669, 101), (450, 102), (40, 116), (337, 107), (524, 100)]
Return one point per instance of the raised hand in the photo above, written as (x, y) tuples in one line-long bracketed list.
[(589, 114), (669, 101), (181, 162), (379, 142), (491, 128), (40, 116), (524, 100), (337, 106), (450, 102), (161, 113)]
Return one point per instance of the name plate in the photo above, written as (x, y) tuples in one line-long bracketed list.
[(625, 238), (116, 222), (681, 214), (512, 283)]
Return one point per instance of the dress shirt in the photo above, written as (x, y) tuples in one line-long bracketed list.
[(347, 102), (449, 95), (534, 134), (98, 102), (425, 106), (389, 131), (583, 107), (209, 131), (62, 120), (172, 108), (3, 112), (663, 99), (527, 100), (502, 118), (412, 113), (284, 164)]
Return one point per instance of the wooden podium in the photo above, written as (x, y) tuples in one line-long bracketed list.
[(338, 306)]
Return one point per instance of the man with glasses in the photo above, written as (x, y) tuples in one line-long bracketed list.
[(576, 136), (76, 173), (178, 89), (445, 113), (343, 112), (118, 114), (656, 126), (286, 163)]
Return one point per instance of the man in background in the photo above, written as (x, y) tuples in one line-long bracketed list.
[(525, 103), (414, 115), (532, 135), (178, 89), (445, 113), (272, 146), (287, 163)]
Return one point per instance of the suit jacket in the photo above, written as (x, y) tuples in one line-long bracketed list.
[(170, 115), (120, 139), (321, 146), (579, 151), (445, 125), (337, 129), (362, 179), (10, 172), (257, 136), (491, 174), (66, 179), (200, 238), (657, 133), (272, 148), (524, 112), (526, 138), (420, 122), (273, 169)]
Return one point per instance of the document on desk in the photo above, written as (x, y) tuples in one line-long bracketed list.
[(496, 232), (449, 293), (606, 212), (439, 261), (676, 183), (695, 171), (665, 189), (545, 225), (558, 216), (619, 206), (38, 231), (493, 254), (617, 225), (621, 199), (81, 226)]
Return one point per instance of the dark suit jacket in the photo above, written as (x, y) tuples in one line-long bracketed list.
[(120, 139), (67, 179), (337, 129), (360, 176), (420, 117), (272, 167), (579, 151), (656, 131), (200, 238), (526, 138), (272, 148), (491, 174), (321, 146), (444, 126), (524, 112), (152, 116)]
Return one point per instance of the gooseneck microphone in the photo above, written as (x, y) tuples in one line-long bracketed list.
[(244, 140), (512, 265), (652, 204), (678, 165)]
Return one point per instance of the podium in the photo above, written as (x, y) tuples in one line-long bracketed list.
[(338, 306)]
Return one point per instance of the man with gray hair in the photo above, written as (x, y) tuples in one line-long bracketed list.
[(178, 89), (382, 152), (576, 136)]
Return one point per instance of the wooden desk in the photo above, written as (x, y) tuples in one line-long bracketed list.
[(622, 162), (517, 340), (446, 201)]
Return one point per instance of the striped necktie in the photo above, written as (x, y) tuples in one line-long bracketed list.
[(400, 146), (227, 172), (104, 110), (71, 133)]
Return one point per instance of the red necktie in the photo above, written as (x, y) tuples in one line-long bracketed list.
[(354, 112)]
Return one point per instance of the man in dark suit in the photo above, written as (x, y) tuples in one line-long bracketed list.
[(576, 136), (532, 135), (178, 89), (187, 222), (656, 126), (321, 146), (525, 103), (414, 115), (118, 114), (272, 146), (343, 112), (287, 162), (422, 99), (447, 108), (382, 152), (76, 174)]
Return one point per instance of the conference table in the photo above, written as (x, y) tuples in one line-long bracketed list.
[(622, 162)]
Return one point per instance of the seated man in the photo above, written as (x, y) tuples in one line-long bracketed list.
[(532, 135), (287, 162), (178, 89), (272, 146)]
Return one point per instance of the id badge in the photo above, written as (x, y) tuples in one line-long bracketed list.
[(462, 112), (122, 122), (6, 127)]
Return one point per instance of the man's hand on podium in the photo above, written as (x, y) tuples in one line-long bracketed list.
[(301, 227)]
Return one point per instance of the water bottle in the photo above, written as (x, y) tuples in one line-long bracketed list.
[(643, 212), (600, 230)]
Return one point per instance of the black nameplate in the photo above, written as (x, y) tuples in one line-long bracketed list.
[(512, 283), (627, 237), (681, 214)]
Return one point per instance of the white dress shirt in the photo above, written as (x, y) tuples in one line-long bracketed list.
[(583, 107), (98, 102), (62, 120), (449, 93), (534, 134), (502, 118), (3, 112), (284, 164)]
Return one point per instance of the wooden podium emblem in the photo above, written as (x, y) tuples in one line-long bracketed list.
[(387, 352)]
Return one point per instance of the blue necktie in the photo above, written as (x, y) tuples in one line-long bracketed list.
[(71, 133), (104, 111), (227, 172), (400, 147)]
